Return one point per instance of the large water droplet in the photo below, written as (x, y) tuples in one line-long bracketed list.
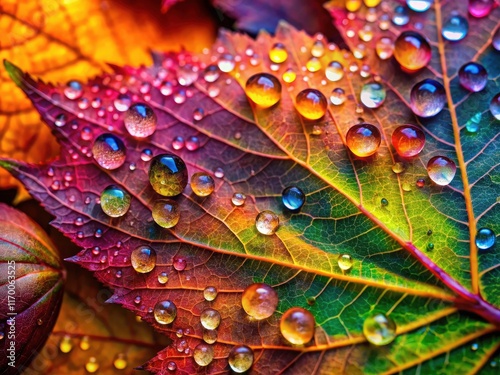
[(143, 259), (109, 151), (379, 329), (480, 8), (455, 28), (263, 89), (259, 301), (311, 104), (473, 76), (412, 51), (267, 222), (419, 5), (363, 139), (115, 201), (210, 318), (166, 213), (203, 354), (278, 53), (168, 174), (240, 358), (334, 71), (408, 140), (165, 312), (485, 239), (297, 326), (140, 120), (202, 184), (495, 106), (73, 90), (427, 98), (293, 198), (373, 95), (441, 170)]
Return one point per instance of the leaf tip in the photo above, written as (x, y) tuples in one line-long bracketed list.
[(15, 73)]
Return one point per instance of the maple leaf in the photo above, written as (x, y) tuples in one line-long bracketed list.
[(58, 40), (441, 297), (31, 288)]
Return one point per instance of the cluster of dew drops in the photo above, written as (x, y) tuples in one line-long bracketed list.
[(168, 174)]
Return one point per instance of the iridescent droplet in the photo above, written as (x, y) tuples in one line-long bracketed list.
[(263, 89), (427, 98), (441, 170), (140, 120), (202, 184), (267, 222), (168, 174), (115, 201), (345, 262), (73, 90), (203, 354), (165, 312), (480, 8), (379, 329), (311, 104), (210, 318), (485, 239), (166, 213), (455, 28), (372, 95), (143, 259), (363, 139), (412, 51), (495, 106), (297, 326), (238, 199), (109, 151), (337, 97), (259, 301), (334, 71), (293, 198), (240, 358), (210, 293), (419, 5), (420, 183), (472, 125), (408, 140), (278, 53), (473, 76)]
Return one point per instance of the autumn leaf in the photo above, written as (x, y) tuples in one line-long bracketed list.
[(31, 288), (366, 241), (74, 40)]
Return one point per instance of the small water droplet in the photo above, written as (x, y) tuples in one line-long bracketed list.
[(313, 64), (178, 143), (210, 318), (210, 293), (202, 184), (263, 89), (92, 366), (427, 98), (60, 120), (168, 174), (140, 120), (363, 139), (408, 140), (474, 346), (345, 262), (122, 102), (73, 90), (289, 75), (85, 343), (334, 71), (441, 170), (210, 336), (400, 16), (353, 5), (213, 91), (192, 143), (238, 199), (480, 8), (267, 222), (187, 75), (455, 28), (398, 167), (167, 88), (385, 48), (297, 326), (495, 106), (379, 329), (495, 42), (259, 301), (166, 213), (66, 344), (420, 183), (311, 104), (180, 96), (120, 361), (419, 5), (115, 201), (412, 51), (179, 263), (143, 259), (293, 198), (337, 97), (485, 239), (198, 114), (109, 151), (203, 354), (171, 366), (278, 53), (165, 312), (162, 278), (219, 172), (146, 154), (384, 202), (211, 73), (226, 63), (240, 358)]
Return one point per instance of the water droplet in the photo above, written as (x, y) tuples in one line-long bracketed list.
[(485, 239), (345, 262), (379, 329), (115, 201), (267, 222), (259, 301), (278, 53), (166, 89), (240, 358), (337, 97), (85, 343), (293, 198), (38, 322), (211, 73), (118, 274), (120, 361), (263, 89), (318, 48), (472, 125), (202, 184), (140, 120), (179, 263), (385, 48), (311, 104), (353, 5), (384, 202), (297, 326), (427, 98), (73, 90), (398, 167), (495, 106), (238, 199), (198, 114), (400, 16), (109, 151), (92, 366), (373, 95), (166, 213), (171, 366), (210, 293), (137, 300), (495, 42), (366, 33), (178, 143), (122, 102), (203, 354), (289, 75), (213, 91), (226, 63), (408, 140), (180, 96), (419, 5), (441, 170), (60, 120), (372, 3), (209, 336), (187, 75), (165, 312), (313, 64), (219, 172), (412, 51), (455, 28), (210, 318), (192, 143), (143, 259), (146, 154), (66, 344), (363, 139), (334, 71), (162, 277), (480, 8), (168, 174), (420, 183)]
